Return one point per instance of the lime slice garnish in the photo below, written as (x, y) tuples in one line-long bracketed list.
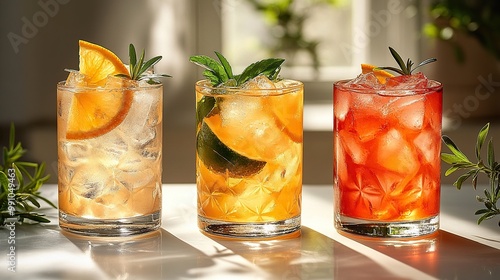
[(220, 158)]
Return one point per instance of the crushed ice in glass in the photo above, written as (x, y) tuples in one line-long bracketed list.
[(402, 83)]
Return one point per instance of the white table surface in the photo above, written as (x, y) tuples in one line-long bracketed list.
[(460, 250)]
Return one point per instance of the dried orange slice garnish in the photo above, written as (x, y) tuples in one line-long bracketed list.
[(380, 74), (94, 112)]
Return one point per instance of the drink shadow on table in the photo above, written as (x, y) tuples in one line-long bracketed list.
[(156, 255), (310, 256), (442, 255)]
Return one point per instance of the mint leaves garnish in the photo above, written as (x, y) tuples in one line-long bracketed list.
[(221, 73)]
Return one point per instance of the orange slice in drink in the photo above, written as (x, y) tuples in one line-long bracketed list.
[(95, 112), (380, 74), (287, 109)]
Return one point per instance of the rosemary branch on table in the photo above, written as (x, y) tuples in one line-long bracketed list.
[(20, 183), (491, 168)]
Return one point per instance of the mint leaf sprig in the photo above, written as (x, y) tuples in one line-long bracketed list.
[(404, 68), (221, 73), (491, 168), (139, 67), (20, 183)]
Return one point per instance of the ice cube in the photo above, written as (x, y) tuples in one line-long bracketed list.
[(144, 139), (151, 153), (284, 83), (365, 101), (368, 126), (76, 79), (90, 180), (236, 109), (141, 119), (135, 178), (353, 147), (407, 83), (259, 82), (427, 144), (116, 82), (339, 165), (394, 153), (130, 162), (365, 81), (408, 111), (109, 149), (75, 151), (114, 195), (341, 105)]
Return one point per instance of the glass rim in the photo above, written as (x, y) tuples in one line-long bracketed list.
[(215, 91), (62, 85), (435, 86)]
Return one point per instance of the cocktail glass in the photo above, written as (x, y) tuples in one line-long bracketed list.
[(110, 178), (387, 146), (249, 158)]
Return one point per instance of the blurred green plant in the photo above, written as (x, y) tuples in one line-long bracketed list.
[(479, 19), (290, 22)]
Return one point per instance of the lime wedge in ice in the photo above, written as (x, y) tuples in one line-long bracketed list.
[(220, 158)]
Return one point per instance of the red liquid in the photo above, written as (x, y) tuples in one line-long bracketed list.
[(387, 154)]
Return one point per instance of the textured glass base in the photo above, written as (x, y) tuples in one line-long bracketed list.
[(110, 227), (387, 229), (249, 230)]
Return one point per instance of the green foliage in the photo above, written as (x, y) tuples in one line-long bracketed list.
[(459, 161), (478, 19), (20, 183), (221, 73), (292, 19)]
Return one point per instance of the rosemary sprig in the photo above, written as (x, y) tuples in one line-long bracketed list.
[(405, 68), (490, 168), (139, 67), (20, 183)]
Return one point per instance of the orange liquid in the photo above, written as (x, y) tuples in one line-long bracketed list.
[(387, 155), (265, 128), (118, 174)]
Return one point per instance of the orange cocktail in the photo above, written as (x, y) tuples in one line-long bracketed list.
[(109, 133), (249, 158), (387, 155)]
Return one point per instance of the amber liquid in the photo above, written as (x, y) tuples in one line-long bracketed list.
[(265, 128)]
